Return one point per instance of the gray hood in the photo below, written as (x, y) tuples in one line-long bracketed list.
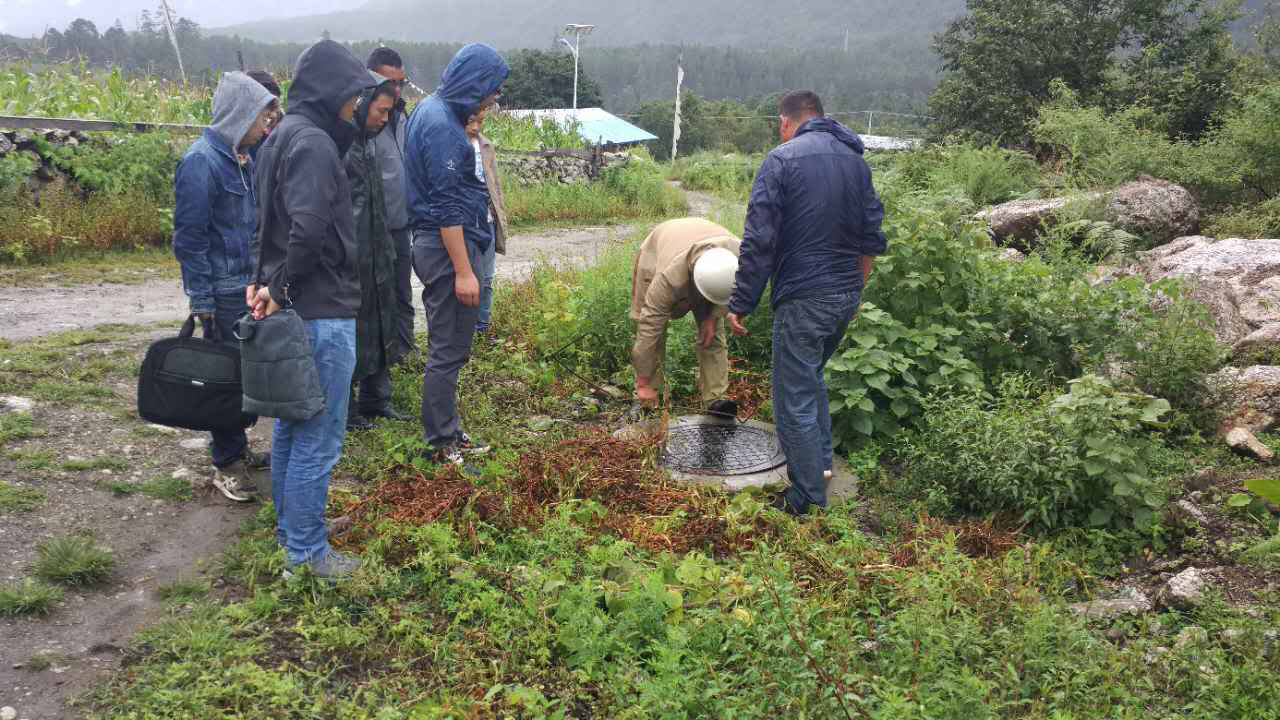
[(236, 104)]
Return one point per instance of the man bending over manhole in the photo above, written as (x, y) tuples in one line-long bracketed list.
[(684, 266), (813, 227)]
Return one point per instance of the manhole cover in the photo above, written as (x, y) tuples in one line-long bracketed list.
[(711, 449)]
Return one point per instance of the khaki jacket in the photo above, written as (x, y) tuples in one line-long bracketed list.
[(662, 286), (488, 156)]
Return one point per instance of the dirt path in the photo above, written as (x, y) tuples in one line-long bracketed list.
[(31, 312), (74, 444)]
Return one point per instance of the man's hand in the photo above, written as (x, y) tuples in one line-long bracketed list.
[(467, 288), (250, 293), (735, 322), (707, 332), (646, 393), (263, 305)]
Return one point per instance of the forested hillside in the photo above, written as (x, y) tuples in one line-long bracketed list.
[(528, 23)]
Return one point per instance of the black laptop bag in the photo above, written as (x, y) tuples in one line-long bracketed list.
[(193, 383)]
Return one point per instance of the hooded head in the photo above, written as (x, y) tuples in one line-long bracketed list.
[(237, 103), (325, 79), (475, 73), (374, 106)]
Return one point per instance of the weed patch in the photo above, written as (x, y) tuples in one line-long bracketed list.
[(28, 598), (74, 560), (19, 499)]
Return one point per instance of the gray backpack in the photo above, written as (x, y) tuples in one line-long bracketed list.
[(278, 371)]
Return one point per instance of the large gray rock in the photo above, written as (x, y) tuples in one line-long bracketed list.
[(1246, 398), (6, 145), (1154, 209), (1130, 602), (1243, 441), (1184, 591), (1237, 280), (1020, 220)]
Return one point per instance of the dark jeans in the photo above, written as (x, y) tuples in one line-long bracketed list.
[(806, 333), (451, 327), (228, 447), (373, 395), (404, 288), (303, 454)]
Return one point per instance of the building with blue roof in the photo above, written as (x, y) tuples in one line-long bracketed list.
[(596, 125)]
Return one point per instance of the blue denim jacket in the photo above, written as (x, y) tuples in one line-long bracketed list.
[(214, 217)]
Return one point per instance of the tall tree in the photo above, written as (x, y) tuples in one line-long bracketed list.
[(999, 59), (541, 79)]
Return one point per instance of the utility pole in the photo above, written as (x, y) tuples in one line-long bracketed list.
[(575, 48), (173, 37), (675, 119)]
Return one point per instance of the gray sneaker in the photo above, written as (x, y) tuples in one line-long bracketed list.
[(333, 565), (235, 482)]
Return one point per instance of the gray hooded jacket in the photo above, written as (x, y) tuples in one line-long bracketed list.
[(236, 105)]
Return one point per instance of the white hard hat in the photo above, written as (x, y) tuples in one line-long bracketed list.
[(714, 275)]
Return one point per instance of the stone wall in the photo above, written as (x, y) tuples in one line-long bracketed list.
[(23, 142), (568, 169)]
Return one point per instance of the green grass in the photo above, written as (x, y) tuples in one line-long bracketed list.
[(160, 488), (74, 561), (19, 499), (184, 590), (28, 598), (122, 267), (67, 368), (32, 459), (635, 192), (102, 462), (16, 426)]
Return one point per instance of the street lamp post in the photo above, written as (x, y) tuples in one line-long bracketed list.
[(578, 31)]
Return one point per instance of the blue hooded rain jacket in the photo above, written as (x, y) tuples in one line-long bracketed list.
[(440, 163), (813, 215)]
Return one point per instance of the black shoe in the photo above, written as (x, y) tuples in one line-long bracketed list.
[(356, 423), (724, 409), (386, 414), (779, 502)]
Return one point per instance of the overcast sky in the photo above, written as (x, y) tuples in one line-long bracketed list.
[(31, 17)]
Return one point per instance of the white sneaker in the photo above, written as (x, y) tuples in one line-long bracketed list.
[(234, 483)]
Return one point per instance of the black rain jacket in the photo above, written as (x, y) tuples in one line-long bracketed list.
[(306, 242)]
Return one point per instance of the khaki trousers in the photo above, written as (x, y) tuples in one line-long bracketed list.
[(713, 366)]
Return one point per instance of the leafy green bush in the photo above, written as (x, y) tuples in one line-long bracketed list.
[(15, 169), (586, 315), (1081, 458), (633, 191), (508, 132), (880, 377), (119, 164), (729, 176), (986, 175), (1247, 221), (64, 222)]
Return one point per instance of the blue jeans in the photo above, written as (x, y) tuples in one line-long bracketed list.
[(303, 454), (228, 447), (485, 271), (806, 333)]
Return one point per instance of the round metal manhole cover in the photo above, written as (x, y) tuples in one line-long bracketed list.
[(712, 449)]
